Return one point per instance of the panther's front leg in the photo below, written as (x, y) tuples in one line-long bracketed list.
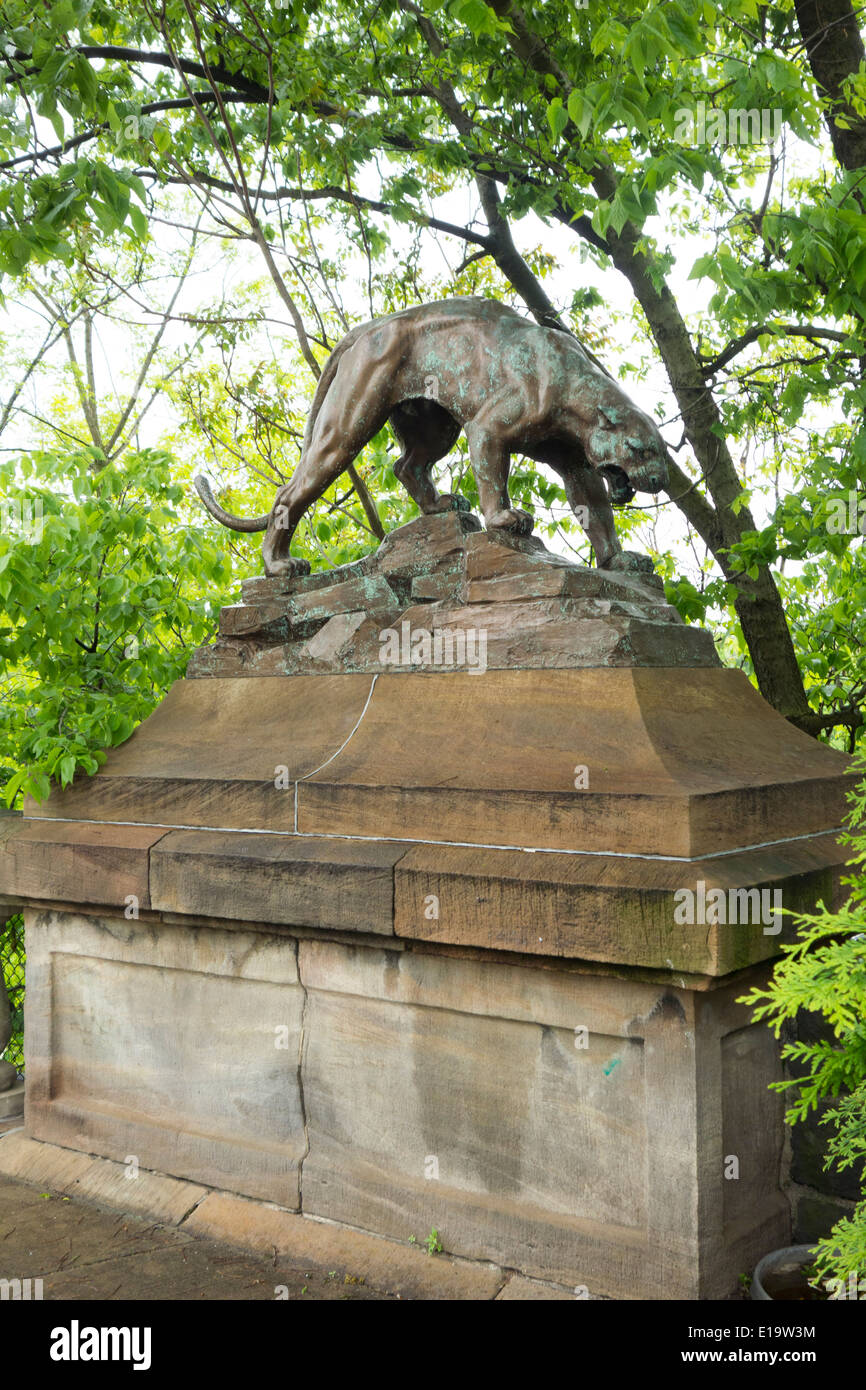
[(587, 497), (491, 459)]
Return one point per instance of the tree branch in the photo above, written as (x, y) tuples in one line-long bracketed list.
[(751, 335)]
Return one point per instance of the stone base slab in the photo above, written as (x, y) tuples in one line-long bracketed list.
[(262, 1228)]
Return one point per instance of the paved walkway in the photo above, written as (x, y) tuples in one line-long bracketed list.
[(77, 1223), (83, 1252)]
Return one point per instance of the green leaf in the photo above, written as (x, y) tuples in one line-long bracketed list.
[(62, 17), (579, 111), (476, 16), (83, 77), (703, 266), (13, 786), (557, 117), (139, 222)]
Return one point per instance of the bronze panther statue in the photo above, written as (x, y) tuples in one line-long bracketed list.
[(512, 386)]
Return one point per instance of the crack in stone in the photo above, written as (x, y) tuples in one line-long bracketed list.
[(301, 1098)]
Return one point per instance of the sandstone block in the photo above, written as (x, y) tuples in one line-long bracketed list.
[(179, 1048), (385, 1265), (346, 885)]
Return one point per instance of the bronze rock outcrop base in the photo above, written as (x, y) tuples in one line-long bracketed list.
[(407, 947), (527, 607)]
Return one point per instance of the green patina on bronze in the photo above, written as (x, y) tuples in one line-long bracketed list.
[(510, 385), (534, 609)]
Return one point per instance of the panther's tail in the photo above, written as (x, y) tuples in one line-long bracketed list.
[(234, 523)]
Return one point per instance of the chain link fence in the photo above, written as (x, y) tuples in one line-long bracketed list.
[(12, 970)]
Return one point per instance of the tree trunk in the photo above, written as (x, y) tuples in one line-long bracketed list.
[(835, 51)]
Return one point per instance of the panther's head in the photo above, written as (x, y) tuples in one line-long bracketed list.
[(624, 445)]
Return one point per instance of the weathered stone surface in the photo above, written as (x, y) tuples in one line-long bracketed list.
[(300, 615), (382, 1264), (683, 762), (565, 632), (81, 1175), (520, 1290), (615, 909), (266, 620), (62, 860), (180, 1048), (263, 588), (752, 1125), (224, 659), (433, 1090), (334, 637), (680, 763), (418, 547), (672, 766), (619, 909), (347, 885), (364, 595), (553, 581), (491, 556), (12, 1098), (815, 1215), (260, 736), (349, 642), (446, 583), (467, 1078)]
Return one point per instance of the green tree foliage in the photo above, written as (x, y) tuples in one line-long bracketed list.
[(626, 132), (349, 146), (104, 590), (824, 973)]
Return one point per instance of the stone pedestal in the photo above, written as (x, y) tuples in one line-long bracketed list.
[(406, 948)]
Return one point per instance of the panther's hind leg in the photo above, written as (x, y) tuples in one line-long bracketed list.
[(290, 504), (341, 431), (427, 432), (413, 470)]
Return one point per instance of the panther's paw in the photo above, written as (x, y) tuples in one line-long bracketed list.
[(511, 519), (629, 562), (450, 502), (288, 567)]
